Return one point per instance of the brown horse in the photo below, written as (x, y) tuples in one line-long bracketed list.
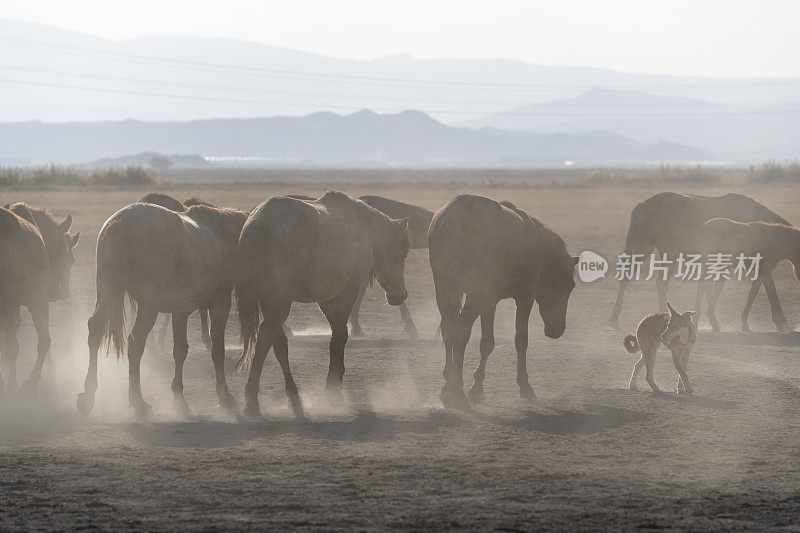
[(670, 223), (165, 200), (419, 219), (35, 262), (294, 250), (166, 262), (774, 242), (490, 251)]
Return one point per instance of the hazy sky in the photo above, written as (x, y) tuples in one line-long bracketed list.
[(692, 37)]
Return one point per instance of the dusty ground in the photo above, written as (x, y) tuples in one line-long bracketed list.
[(589, 454)]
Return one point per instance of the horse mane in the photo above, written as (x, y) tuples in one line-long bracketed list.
[(35, 215), (196, 200), (164, 200), (523, 214)]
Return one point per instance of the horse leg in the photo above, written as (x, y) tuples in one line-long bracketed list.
[(162, 332), (145, 319), (475, 394), (40, 313), (469, 313), (662, 285), (711, 298), (634, 243), (281, 349), (775, 304), (521, 319), (698, 299), (180, 347), (10, 346), (274, 317), (337, 312), (354, 323), (219, 312), (204, 331), (448, 300), (751, 297), (410, 327), (97, 329)]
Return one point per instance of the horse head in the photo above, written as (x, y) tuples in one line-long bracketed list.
[(556, 281), (389, 257)]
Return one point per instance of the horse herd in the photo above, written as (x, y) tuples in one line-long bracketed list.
[(178, 257)]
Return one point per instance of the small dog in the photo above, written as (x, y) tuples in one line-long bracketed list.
[(674, 330)]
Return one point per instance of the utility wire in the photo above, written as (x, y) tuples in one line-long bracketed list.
[(118, 56), (384, 110)]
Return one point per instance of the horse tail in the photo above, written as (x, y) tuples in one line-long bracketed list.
[(637, 237), (247, 305), (111, 276), (631, 344)]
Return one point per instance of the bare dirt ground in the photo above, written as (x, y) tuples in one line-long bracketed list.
[(588, 455)]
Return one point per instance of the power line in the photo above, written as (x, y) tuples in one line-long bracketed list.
[(317, 76), (383, 110), (303, 94)]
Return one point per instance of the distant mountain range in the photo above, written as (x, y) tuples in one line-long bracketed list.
[(410, 138), (62, 75), (730, 132), (160, 86)]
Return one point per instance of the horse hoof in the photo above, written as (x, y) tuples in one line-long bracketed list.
[(358, 332), (455, 400), (613, 324), (85, 403), (296, 405), (141, 409), (527, 395), (227, 402), (30, 386), (334, 395), (252, 411), (475, 395), (181, 407)]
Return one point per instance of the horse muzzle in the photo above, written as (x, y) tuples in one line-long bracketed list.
[(396, 297)]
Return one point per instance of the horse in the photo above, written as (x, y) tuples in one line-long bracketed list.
[(490, 251), (295, 250), (774, 242), (166, 262), (670, 222), (419, 219), (36, 258), (165, 200)]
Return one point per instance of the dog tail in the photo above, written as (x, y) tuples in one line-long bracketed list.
[(631, 344)]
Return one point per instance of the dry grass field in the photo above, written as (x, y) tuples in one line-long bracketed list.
[(588, 455)]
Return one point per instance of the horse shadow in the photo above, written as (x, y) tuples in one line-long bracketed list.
[(365, 426), (750, 339), (594, 419)]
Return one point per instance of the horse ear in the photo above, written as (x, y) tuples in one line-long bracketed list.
[(689, 314), (403, 222), (73, 240), (575, 260), (64, 226), (672, 311)]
